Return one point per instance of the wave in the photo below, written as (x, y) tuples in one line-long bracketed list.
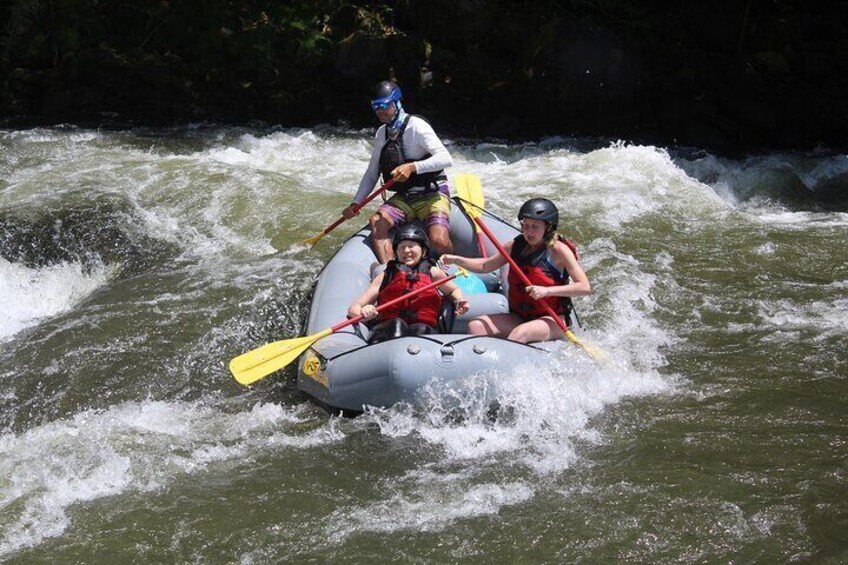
[(77, 226), (29, 295), (132, 447), (120, 401), (54, 255), (433, 509), (797, 182)]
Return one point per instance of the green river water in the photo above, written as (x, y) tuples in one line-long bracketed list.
[(135, 264)]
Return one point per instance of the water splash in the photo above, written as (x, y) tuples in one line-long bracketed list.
[(133, 447), (30, 295)]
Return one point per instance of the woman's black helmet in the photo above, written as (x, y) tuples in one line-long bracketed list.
[(540, 209), (412, 233)]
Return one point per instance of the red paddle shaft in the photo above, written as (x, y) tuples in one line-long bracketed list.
[(512, 265), (433, 284), (359, 206)]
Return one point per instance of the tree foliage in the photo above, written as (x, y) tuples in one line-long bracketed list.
[(756, 72)]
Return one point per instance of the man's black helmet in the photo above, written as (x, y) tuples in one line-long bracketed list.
[(413, 233), (385, 91), (540, 209)]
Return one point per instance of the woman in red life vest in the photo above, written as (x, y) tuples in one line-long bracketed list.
[(411, 270), (549, 261)]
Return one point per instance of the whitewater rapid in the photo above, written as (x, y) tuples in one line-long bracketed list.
[(114, 385)]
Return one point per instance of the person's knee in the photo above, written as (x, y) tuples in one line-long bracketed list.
[(477, 327), (525, 333), (440, 240), (519, 335), (379, 226), (443, 246)]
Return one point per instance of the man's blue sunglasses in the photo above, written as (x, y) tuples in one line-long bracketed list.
[(380, 105)]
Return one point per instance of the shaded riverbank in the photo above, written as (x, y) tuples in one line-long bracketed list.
[(751, 77)]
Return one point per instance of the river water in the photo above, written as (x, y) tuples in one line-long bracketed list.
[(135, 264)]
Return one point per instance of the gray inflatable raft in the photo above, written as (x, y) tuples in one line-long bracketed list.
[(343, 372)]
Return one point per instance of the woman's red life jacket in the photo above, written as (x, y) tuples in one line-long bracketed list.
[(540, 269), (400, 280)]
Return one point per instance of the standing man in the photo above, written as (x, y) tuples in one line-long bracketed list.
[(407, 150)]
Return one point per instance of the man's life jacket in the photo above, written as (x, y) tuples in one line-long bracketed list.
[(392, 156), (540, 269), (400, 280)]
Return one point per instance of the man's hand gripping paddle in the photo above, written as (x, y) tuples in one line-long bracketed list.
[(316, 238)]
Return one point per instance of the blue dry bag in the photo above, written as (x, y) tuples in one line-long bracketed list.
[(471, 284)]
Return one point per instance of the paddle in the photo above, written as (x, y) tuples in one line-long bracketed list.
[(316, 238), (473, 206), (469, 189), (249, 367)]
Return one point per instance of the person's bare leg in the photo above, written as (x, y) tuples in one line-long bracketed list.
[(494, 324), (440, 241), (541, 329), (380, 226)]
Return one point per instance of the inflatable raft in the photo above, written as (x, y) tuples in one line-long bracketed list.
[(344, 373)]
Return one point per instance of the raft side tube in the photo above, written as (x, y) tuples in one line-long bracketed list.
[(392, 371)]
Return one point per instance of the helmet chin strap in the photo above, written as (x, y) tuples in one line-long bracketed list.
[(394, 125)]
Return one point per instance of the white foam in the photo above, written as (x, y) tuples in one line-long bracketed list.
[(550, 406), (35, 135), (771, 214), (430, 509), (128, 448), (767, 248), (544, 410), (236, 196), (325, 163), (826, 318), (628, 305), (748, 184), (30, 295), (609, 186)]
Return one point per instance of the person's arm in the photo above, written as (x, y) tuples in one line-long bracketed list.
[(364, 305), (421, 141), (372, 173), (564, 258), (451, 289), (478, 264)]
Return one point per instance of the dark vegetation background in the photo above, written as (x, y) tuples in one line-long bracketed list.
[(730, 76)]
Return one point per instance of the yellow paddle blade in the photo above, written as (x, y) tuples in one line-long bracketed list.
[(470, 192), (249, 367), (281, 241), (593, 350), (313, 240)]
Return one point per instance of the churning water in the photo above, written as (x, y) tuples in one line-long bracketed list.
[(135, 264)]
